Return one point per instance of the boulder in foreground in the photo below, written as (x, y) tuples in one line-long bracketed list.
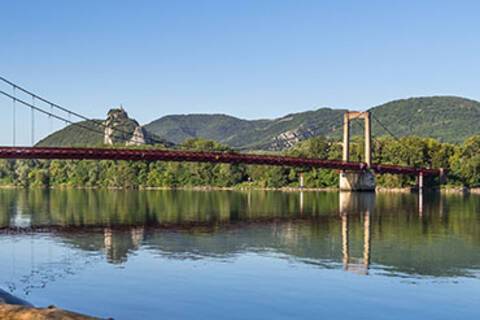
[(18, 312)]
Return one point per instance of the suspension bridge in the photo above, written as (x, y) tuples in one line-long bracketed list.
[(355, 176)]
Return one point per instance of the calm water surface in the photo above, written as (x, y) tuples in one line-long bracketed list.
[(243, 255)]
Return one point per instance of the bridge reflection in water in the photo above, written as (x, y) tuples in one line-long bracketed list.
[(323, 229), (351, 204)]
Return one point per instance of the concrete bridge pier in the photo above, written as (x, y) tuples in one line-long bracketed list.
[(352, 180), (357, 181)]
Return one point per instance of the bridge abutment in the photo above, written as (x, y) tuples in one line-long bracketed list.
[(357, 181)]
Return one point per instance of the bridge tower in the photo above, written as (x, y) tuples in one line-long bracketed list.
[(364, 180)]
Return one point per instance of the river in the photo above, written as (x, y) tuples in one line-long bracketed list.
[(243, 254)]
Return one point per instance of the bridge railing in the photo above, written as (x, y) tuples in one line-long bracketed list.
[(198, 156)]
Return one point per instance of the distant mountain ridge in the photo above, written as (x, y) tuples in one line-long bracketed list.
[(447, 118), (273, 134)]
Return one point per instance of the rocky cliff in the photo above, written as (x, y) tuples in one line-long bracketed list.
[(117, 128), (120, 129)]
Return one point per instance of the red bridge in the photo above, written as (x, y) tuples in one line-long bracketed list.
[(356, 176), (191, 156)]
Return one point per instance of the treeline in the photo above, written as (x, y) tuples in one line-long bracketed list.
[(462, 162)]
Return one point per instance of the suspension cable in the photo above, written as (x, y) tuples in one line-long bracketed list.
[(70, 113), (14, 118), (33, 122), (385, 128), (43, 99), (50, 119), (78, 124), (76, 114)]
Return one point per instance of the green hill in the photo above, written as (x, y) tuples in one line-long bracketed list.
[(249, 134), (75, 135), (449, 119), (92, 132)]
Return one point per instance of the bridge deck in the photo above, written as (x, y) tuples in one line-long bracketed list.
[(192, 156)]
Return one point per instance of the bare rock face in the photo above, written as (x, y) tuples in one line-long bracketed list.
[(289, 138), (116, 126), (138, 137), (120, 129)]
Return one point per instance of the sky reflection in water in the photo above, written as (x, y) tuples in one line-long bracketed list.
[(236, 255)]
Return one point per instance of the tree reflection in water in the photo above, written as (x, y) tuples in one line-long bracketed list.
[(361, 232)]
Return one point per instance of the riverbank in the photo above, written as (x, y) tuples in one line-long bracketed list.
[(444, 189), (17, 312), (13, 308)]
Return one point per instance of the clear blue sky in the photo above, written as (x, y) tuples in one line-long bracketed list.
[(251, 59)]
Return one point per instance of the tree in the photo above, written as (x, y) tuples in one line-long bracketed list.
[(465, 162)]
